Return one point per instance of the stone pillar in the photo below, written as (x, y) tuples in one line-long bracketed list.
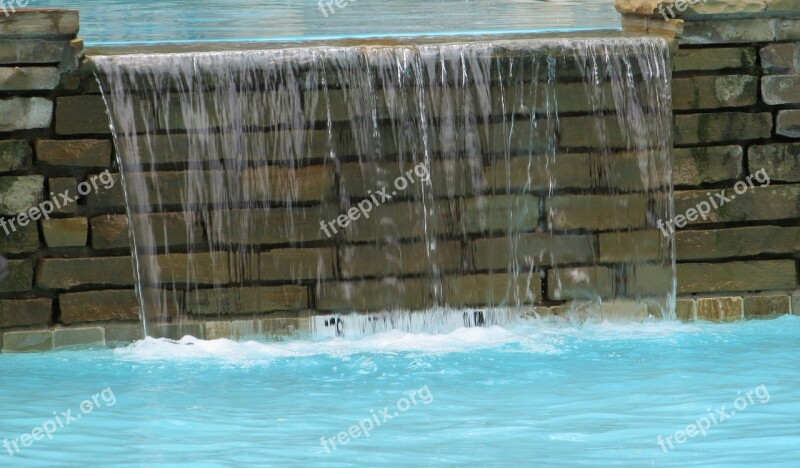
[(736, 87)]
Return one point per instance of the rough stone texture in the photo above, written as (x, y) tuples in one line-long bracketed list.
[(111, 231), (788, 123), (41, 23), (31, 51), (396, 260), (25, 113), (297, 264), (632, 246), (250, 300), (113, 197), (121, 335), (81, 153), (15, 155), (705, 165), (495, 290), (773, 202), (274, 329), (27, 341), (20, 240), (598, 212), (686, 310), (580, 283), (77, 115), (716, 59), (780, 58), (20, 277), (20, 193), (372, 296), (25, 312), (737, 242), (728, 31), (721, 127), (699, 8), (765, 275), (197, 268), (93, 306), (781, 161), (86, 337), (720, 309), (767, 306), (29, 78), (781, 89), (65, 232), (494, 253), (714, 92), (67, 273), (59, 185)]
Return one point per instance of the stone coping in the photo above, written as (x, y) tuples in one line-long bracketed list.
[(700, 9), (707, 309), (38, 23)]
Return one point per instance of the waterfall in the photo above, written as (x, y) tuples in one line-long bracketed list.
[(325, 181)]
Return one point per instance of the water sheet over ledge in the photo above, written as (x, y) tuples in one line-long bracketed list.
[(292, 182)]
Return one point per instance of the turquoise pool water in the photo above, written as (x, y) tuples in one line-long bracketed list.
[(114, 22), (538, 395)]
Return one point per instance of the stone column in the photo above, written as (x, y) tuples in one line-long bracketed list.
[(736, 89)]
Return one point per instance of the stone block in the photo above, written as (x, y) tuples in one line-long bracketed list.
[(77, 115), (768, 203), (767, 306), (20, 193), (98, 306), (247, 300), (583, 283), (629, 246), (25, 113), (788, 123), (714, 92), (399, 260), (402, 221), (781, 161), (729, 31), (121, 335), (114, 196), (796, 304), (68, 273), (29, 78), (41, 23), (74, 338), (72, 153), (271, 328), (492, 290), (737, 242), (781, 89), (15, 155), (780, 58), (170, 229), (707, 164), (756, 275), (295, 264), (692, 129), (720, 309), (67, 186), (25, 312), (532, 250), (715, 59), (16, 240), (274, 226), (373, 296), (598, 212), (500, 213), (65, 232), (27, 341), (31, 51), (195, 268), (20, 277), (686, 310)]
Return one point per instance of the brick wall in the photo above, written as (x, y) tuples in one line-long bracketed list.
[(736, 72)]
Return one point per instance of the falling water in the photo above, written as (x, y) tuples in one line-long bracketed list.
[(236, 166)]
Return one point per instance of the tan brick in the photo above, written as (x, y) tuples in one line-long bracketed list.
[(589, 132), (27, 341), (686, 310), (532, 250), (81, 153), (780, 58), (79, 337), (399, 260), (788, 123), (447, 178), (715, 59), (29, 78), (781, 161), (249, 300), (714, 92), (737, 242), (111, 197), (59, 185), (495, 290), (767, 306), (67, 273), (41, 23), (720, 309), (371, 296), (580, 283), (98, 306), (25, 312), (20, 277), (401, 221), (66, 232), (598, 212), (84, 115), (781, 89), (25, 113), (295, 264), (19, 240), (195, 268), (169, 229), (766, 275), (31, 51), (273, 226), (728, 31), (708, 164), (773, 202), (633, 246), (721, 127)]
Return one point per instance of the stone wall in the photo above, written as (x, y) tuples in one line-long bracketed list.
[(735, 88)]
